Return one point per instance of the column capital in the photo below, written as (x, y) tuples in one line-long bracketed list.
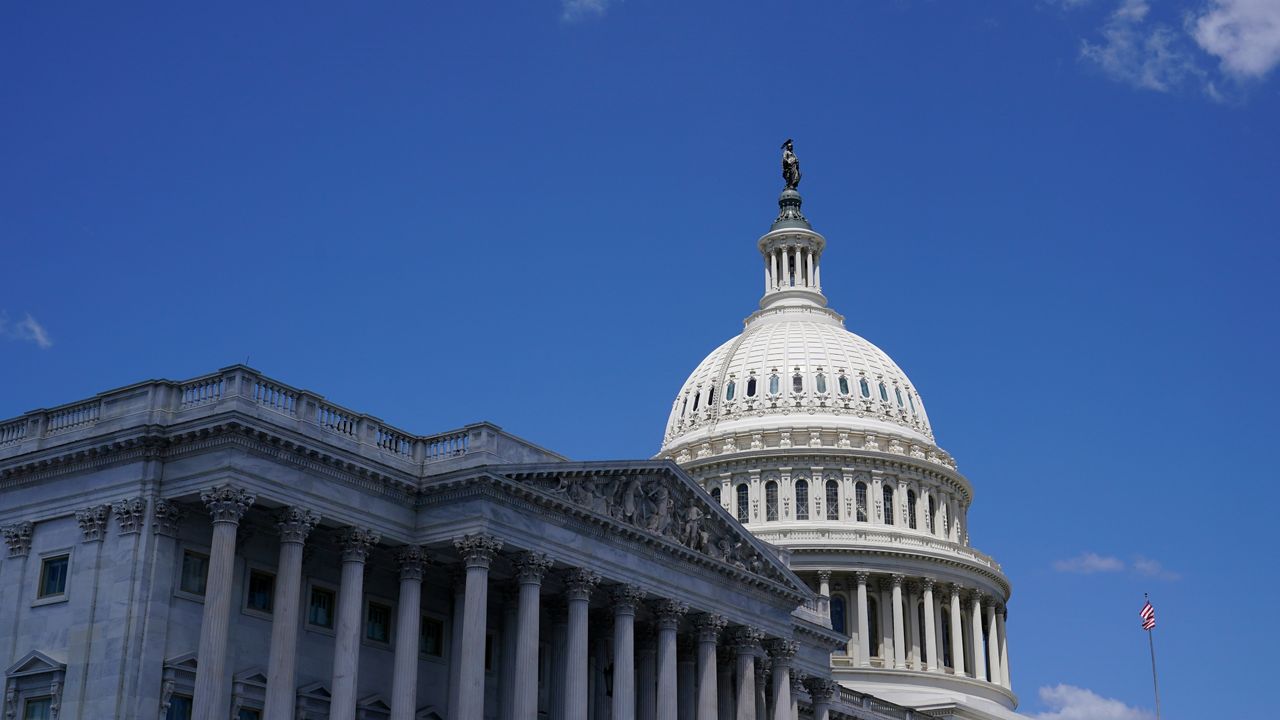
[(956, 591), (93, 522), (18, 537), (412, 559), (977, 597), (227, 503), (821, 689), (578, 583), (531, 567), (781, 650), (294, 524), (168, 517), (625, 598), (798, 679), (927, 584), (669, 613), (897, 580), (356, 542), (478, 550), (862, 576), (130, 514), (745, 639), (707, 626), (824, 576)]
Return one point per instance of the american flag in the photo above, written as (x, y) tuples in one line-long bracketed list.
[(1148, 616)]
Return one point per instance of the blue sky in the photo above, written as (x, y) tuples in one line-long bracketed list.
[(1058, 217)]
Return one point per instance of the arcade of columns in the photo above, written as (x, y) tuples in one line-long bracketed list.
[(904, 644), (722, 676)]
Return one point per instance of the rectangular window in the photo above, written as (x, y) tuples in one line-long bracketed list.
[(262, 586), (377, 625), (431, 637), (38, 709), (320, 607), (179, 708), (53, 576), (195, 568)]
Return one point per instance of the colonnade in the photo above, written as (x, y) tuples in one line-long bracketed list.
[(651, 680), (917, 623), (792, 266)]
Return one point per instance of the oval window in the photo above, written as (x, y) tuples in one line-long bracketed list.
[(751, 387)]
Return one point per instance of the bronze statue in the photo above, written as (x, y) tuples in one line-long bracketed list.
[(790, 166)]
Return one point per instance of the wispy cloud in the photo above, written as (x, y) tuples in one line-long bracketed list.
[(1153, 569), (1243, 34), (28, 329), (574, 10), (1068, 702), (1089, 563), (1142, 54)]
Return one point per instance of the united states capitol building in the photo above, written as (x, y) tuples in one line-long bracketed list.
[(233, 547)]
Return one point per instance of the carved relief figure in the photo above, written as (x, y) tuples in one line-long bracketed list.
[(790, 166)]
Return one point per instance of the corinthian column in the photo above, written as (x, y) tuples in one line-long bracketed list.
[(899, 637), (993, 644), (578, 584), (781, 653), (346, 644), (226, 504), (668, 612), (745, 641), (1001, 618), (530, 569), (686, 678), (625, 598), (293, 524), (708, 629), (821, 690), (646, 673), (477, 552), (404, 675), (957, 633), (930, 631), (975, 625)]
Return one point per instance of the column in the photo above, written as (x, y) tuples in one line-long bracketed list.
[(686, 679), (781, 654), (864, 632), (766, 275), (824, 582), (625, 598), (601, 639), (578, 584), (669, 690), (808, 268), (899, 643), (725, 705), (355, 544), (477, 553), (1001, 618), (975, 626), (559, 648), (455, 639), (530, 569), (913, 626), (293, 524), (773, 268), (930, 635), (509, 598), (646, 673), (226, 505), (745, 642), (957, 635), (821, 690), (707, 628), (797, 684), (993, 644), (404, 675), (760, 711)]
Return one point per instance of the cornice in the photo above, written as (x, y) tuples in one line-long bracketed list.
[(996, 576)]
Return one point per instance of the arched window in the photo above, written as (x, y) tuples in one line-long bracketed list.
[(924, 638), (744, 509), (888, 505), (864, 387), (797, 383), (711, 396), (898, 392), (773, 384), (728, 390), (751, 387), (820, 383), (696, 397), (860, 498), (884, 393), (843, 385), (715, 494), (802, 499), (911, 509), (771, 500), (932, 519), (837, 614), (833, 500), (873, 625)]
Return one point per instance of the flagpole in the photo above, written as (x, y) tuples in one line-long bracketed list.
[(1155, 681)]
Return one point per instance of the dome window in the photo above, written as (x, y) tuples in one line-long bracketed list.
[(797, 383), (888, 505), (833, 500), (930, 519), (728, 390), (912, 402), (820, 383), (911, 509), (898, 392), (684, 407), (802, 499), (884, 394), (860, 500), (744, 505), (843, 384), (771, 501), (696, 397), (715, 494), (864, 387), (751, 387), (711, 396), (773, 384)]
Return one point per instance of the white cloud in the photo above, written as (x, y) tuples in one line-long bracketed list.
[(1150, 57), (1089, 563), (1072, 703), (1152, 568), (572, 10), (1243, 34), (27, 329)]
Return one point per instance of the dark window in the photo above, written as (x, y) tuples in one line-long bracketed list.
[(932, 516), (884, 393), (911, 401), (844, 385), (488, 653), (728, 390), (898, 392), (751, 387), (743, 503), (320, 607), (377, 626), (53, 576), (924, 637), (37, 709), (773, 384), (262, 587), (888, 505), (195, 567), (684, 407), (873, 625), (837, 614), (431, 637), (946, 640), (697, 396), (179, 708), (820, 383), (771, 500), (711, 396), (864, 387), (860, 498), (797, 383), (911, 509), (802, 499), (247, 714), (715, 494), (833, 500)]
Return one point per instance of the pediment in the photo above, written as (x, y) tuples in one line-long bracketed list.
[(252, 676), (35, 663), (185, 661), (316, 690), (430, 712), (373, 702), (659, 499)]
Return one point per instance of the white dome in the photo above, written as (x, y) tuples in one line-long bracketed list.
[(845, 383)]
